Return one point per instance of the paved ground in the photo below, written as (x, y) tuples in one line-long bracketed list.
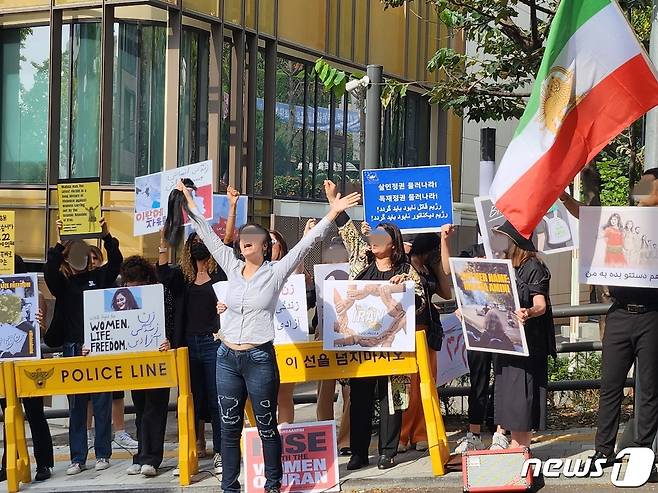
[(413, 473)]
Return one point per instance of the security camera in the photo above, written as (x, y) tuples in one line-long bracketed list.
[(353, 84)]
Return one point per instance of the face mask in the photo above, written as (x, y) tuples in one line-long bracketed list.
[(199, 251)]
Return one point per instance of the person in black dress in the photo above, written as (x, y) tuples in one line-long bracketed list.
[(521, 381)]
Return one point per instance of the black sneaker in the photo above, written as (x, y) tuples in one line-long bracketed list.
[(3, 475), (356, 462), (653, 477), (609, 461), (385, 462), (273, 489), (42, 474)]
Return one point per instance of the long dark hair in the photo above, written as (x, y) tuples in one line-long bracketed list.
[(283, 246), (268, 241), (137, 269), (131, 302), (426, 243), (619, 226), (188, 264), (398, 257), (173, 228)]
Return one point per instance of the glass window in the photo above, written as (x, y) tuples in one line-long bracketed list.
[(322, 133), (138, 101), (24, 104), (193, 110), (346, 30), (226, 112), (354, 140), (81, 104), (266, 10), (260, 120)]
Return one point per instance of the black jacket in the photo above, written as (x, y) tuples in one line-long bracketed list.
[(68, 320), (173, 279)]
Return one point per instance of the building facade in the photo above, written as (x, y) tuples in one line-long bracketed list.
[(119, 88)]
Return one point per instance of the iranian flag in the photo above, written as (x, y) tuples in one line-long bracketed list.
[(594, 81)]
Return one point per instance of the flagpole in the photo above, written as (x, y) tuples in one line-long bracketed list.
[(574, 324)]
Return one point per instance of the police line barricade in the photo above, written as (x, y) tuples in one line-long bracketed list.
[(94, 374), (305, 362)]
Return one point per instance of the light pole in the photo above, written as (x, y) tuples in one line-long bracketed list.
[(374, 117)]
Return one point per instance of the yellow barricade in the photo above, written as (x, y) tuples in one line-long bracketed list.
[(304, 362), (93, 374)]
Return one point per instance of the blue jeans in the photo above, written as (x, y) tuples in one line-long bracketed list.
[(253, 373), (102, 405), (203, 369)]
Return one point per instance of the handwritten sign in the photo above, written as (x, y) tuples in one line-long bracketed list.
[(220, 211), (152, 194), (291, 315), (417, 199), (556, 232), (79, 203), (327, 272), (124, 320), (19, 330), (619, 246), (487, 297), (369, 316), (7, 242), (309, 458), (452, 359)]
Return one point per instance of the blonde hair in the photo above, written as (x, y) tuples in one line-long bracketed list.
[(518, 255), (187, 263)]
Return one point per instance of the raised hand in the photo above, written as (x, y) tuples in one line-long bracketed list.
[(310, 224), (340, 204), (330, 190), (365, 228), (104, 228), (233, 196), (447, 230)]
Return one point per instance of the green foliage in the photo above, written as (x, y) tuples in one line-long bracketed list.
[(331, 78), (614, 182), (582, 366)]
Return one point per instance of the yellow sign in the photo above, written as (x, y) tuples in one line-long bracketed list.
[(79, 204), (7, 242), (87, 374), (304, 362)]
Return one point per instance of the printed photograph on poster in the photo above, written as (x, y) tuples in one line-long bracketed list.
[(124, 320), (452, 360), (326, 272), (487, 298), (152, 195), (79, 204), (619, 246), (557, 231), (219, 219), (291, 315), (20, 337), (417, 199), (369, 316), (309, 458), (7, 242)]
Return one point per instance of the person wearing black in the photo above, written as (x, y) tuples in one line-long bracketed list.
[(42, 441), (631, 336), (67, 329), (521, 382)]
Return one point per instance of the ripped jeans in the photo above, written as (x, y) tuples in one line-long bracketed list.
[(240, 374)]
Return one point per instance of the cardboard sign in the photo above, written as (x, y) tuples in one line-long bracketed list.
[(487, 297), (152, 194), (291, 315), (309, 459), (417, 200), (220, 211), (7, 242), (19, 330), (326, 272), (452, 359), (124, 320), (557, 231), (79, 203), (369, 316), (619, 246)]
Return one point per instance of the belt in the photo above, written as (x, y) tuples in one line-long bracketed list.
[(637, 309)]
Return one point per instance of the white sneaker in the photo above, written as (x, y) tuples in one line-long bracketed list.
[(75, 468), (217, 463), (149, 471), (469, 442), (102, 464), (422, 446), (402, 448), (134, 470), (499, 442), (91, 437), (176, 472), (123, 439)]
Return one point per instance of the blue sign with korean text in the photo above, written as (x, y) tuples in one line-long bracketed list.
[(417, 200)]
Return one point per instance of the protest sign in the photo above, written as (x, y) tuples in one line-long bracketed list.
[(7, 242), (619, 246), (487, 297), (556, 232), (124, 320), (369, 316), (309, 458), (79, 204), (291, 315), (417, 199), (452, 360), (220, 211), (326, 272), (19, 330), (152, 195)]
